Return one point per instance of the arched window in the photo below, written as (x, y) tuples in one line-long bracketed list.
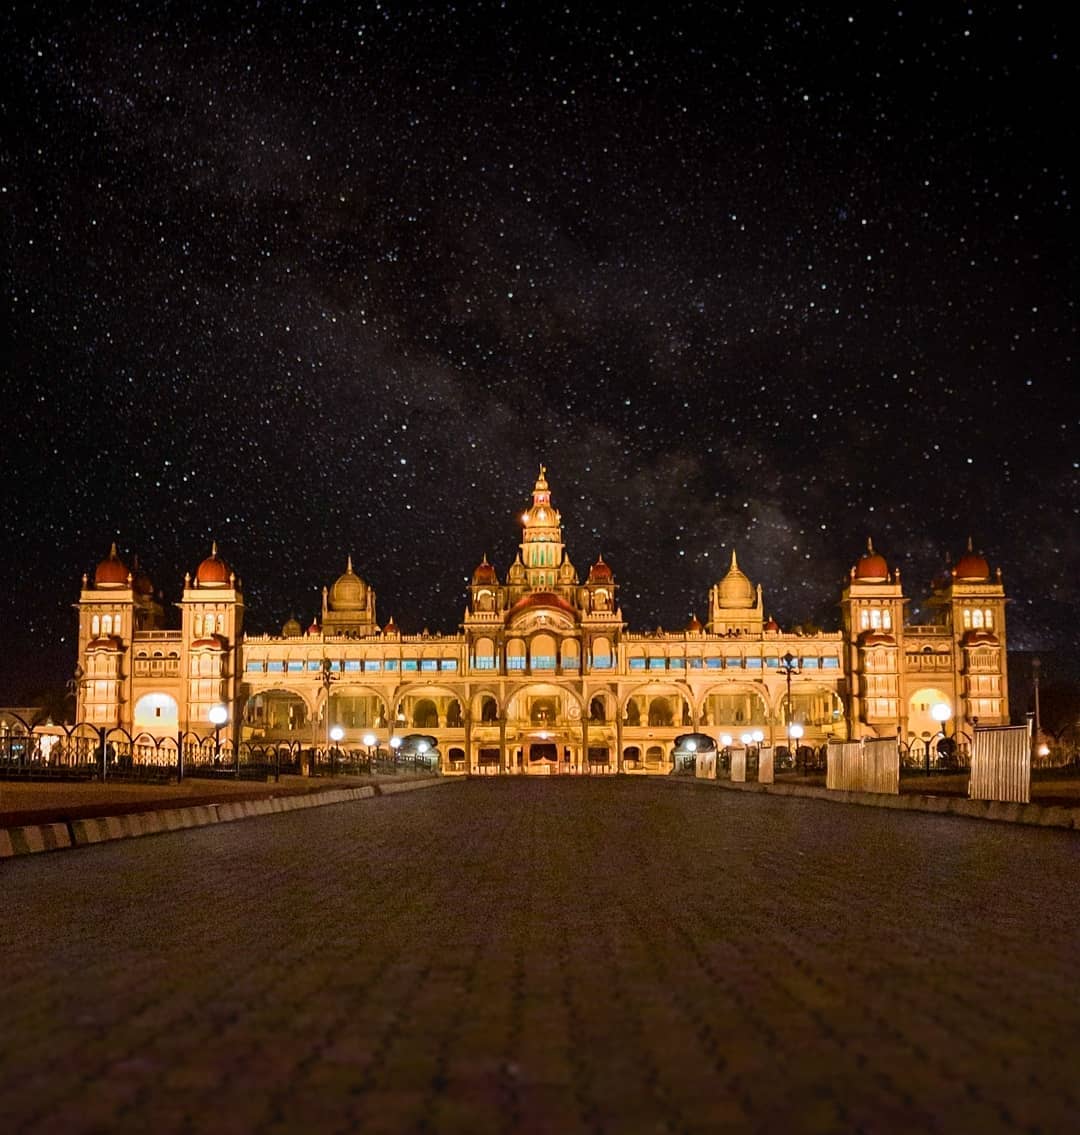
[(542, 653), (988, 619), (489, 711), (875, 618), (221, 623), (596, 710), (198, 626), (864, 619), (967, 618), (601, 653), (484, 654), (633, 713), (515, 654), (977, 618), (571, 656), (95, 627), (886, 619), (425, 715), (106, 624)]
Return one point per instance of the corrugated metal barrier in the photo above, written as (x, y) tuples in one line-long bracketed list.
[(1001, 764)]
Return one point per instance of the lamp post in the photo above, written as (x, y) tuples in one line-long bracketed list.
[(218, 715), (336, 734), (327, 678), (794, 732), (395, 745), (789, 666), (421, 753), (941, 713), (369, 744), (1036, 667)]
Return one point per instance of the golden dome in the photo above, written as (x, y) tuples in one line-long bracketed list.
[(735, 590), (349, 592)]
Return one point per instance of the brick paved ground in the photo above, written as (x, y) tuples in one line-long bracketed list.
[(573, 956)]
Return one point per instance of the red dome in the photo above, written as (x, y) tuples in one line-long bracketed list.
[(541, 599), (600, 572), (972, 567), (213, 571), (314, 628), (872, 567), (485, 574), (772, 626), (694, 625), (981, 638), (111, 572)]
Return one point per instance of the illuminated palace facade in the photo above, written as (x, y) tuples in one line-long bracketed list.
[(544, 676)]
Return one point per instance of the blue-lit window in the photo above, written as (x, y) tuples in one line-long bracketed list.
[(409, 664), (694, 663), (484, 662), (830, 664), (601, 661), (429, 664), (449, 663), (255, 667), (314, 664), (275, 667), (352, 664), (515, 662), (371, 664), (676, 664), (713, 663), (732, 663), (543, 661), (391, 664), (657, 663), (571, 663), (637, 663), (810, 663), (753, 664), (295, 667), (772, 663)]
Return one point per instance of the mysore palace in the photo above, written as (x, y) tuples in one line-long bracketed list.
[(544, 676)]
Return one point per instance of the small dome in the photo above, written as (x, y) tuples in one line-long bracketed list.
[(292, 628), (314, 628), (972, 568), (600, 572), (872, 567), (772, 626), (694, 626), (111, 572), (349, 592), (485, 574), (213, 571), (735, 590)]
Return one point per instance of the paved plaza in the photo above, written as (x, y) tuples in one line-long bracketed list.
[(608, 955)]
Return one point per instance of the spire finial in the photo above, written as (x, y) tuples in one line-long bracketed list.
[(869, 545), (971, 546), (734, 561), (213, 550), (348, 566)]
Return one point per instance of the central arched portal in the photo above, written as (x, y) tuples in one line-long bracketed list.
[(545, 731)]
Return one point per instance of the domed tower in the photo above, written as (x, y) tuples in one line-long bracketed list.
[(212, 622), (735, 605), (107, 620), (541, 542), (970, 601), (872, 615), (349, 605)]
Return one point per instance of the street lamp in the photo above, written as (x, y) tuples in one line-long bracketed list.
[(395, 744), (218, 715), (421, 751), (369, 743), (789, 665), (941, 713), (336, 734), (795, 732)]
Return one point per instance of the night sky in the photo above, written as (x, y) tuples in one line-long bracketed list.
[(315, 281)]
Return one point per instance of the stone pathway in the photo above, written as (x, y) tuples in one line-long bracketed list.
[(571, 956)]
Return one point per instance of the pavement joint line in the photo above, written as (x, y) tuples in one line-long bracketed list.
[(30, 839)]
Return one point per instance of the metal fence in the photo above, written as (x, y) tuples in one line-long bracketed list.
[(1001, 764)]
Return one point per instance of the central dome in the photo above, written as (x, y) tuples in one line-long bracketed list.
[(735, 590), (349, 592)]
